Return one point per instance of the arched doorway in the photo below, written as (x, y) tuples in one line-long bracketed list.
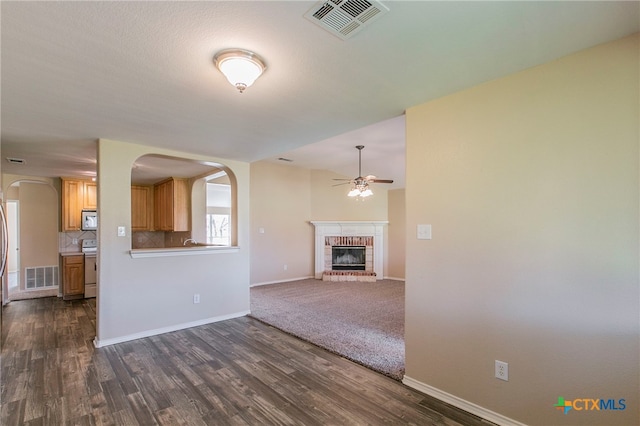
[(32, 257)]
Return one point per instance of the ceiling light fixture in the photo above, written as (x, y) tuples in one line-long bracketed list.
[(360, 188), (241, 67)]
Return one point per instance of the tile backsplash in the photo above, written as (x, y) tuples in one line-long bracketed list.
[(147, 239), (71, 241), (158, 239)]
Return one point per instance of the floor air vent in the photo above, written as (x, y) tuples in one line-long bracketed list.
[(41, 277), (344, 18)]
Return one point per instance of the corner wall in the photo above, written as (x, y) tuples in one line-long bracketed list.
[(531, 185)]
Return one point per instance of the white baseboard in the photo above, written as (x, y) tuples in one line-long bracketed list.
[(282, 281), (467, 406), (394, 278), (99, 343)]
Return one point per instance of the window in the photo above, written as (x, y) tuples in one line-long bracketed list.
[(218, 217)]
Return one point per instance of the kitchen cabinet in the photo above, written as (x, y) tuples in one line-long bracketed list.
[(90, 195), (77, 194), (73, 277), (171, 205), (141, 208), (72, 203)]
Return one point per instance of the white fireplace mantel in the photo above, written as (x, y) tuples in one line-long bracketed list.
[(331, 228)]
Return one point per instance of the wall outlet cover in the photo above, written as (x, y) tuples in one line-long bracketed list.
[(502, 370)]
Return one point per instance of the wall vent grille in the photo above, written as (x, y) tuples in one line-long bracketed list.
[(345, 18), (41, 277)]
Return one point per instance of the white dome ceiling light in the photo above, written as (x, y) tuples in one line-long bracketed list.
[(241, 67)]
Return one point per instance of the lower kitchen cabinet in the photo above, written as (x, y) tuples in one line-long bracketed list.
[(73, 277)]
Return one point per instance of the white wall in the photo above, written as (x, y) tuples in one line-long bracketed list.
[(531, 185), (146, 296)]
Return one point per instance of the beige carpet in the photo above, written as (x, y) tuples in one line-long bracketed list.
[(363, 322)]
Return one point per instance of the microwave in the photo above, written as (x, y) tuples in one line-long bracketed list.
[(89, 220)]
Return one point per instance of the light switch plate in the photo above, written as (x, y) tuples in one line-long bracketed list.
[(424, 232)]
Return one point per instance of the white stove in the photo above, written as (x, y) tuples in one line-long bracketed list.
[(89, 246)]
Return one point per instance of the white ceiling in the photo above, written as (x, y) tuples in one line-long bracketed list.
[(142, 72)]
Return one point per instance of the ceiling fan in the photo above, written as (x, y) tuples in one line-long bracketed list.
[(360, 185)]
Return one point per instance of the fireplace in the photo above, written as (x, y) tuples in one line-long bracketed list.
[(348, 258), (360, 243)]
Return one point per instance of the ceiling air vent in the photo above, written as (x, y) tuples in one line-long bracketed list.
[(13, 160), (344, 18)]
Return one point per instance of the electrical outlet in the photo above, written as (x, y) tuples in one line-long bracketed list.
[(74, 241), (502, 370), (121, 231), (196, 298)]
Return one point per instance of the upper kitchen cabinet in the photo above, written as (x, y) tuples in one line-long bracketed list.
[(141, 208), (72, 202), (77, 195), (90, 197), (171, 205)]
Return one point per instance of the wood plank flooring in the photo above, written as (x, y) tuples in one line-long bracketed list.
[(235, 372)]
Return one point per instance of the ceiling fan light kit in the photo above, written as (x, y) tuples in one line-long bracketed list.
[(360, 185), (361, 190), (241, 67)]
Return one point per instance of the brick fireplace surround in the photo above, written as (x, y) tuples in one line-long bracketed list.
[(329, 233)]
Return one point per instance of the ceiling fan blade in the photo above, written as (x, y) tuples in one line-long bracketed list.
[(342, 179), (381, 180), (343, 183)]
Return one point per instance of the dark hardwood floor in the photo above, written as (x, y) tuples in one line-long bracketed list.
[(236, 372)]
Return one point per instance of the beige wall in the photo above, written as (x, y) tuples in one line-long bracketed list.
[(531, 185), (281, 207), (284, 199), (38, 211), (138, 297), (397, 241)]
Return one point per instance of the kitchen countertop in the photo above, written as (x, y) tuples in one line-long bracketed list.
[(183, 251), (77, 253)]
